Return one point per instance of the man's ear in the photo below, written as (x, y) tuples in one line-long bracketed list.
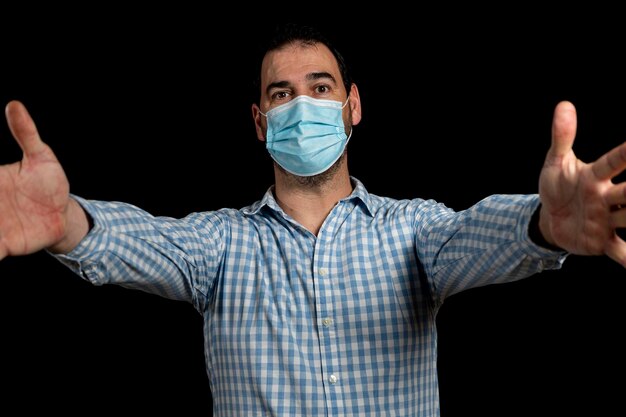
[(355, 104), (258, 124)]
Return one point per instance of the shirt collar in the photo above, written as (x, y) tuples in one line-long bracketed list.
[(359, 196)]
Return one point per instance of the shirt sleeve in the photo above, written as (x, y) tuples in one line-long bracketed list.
[(173, 258), (486, 244)]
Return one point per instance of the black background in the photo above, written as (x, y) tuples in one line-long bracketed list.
[(154, 109)]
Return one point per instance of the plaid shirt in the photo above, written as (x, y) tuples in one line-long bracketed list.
[(338, 324)]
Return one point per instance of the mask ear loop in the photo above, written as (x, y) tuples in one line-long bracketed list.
[(344, 105), (263, 114)]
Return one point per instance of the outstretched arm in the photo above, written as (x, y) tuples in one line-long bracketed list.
[(581, 205), (36, 211)]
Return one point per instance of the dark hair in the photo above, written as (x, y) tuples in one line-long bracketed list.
[(295, 33)]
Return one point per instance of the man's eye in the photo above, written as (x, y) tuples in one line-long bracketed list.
[(280, 95), (322, 89)]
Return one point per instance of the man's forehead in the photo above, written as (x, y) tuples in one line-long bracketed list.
[(297, 61)]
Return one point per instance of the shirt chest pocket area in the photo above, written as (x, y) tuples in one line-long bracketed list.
[(376, 288)]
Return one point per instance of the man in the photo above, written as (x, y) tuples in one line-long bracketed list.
[(321, 297)]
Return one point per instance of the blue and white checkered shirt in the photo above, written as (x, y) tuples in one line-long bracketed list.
[(338, 324)]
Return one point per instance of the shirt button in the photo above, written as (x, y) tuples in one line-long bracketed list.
[(327, 322), (322, 272), (332, 379)]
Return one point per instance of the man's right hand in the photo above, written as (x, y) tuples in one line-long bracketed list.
[(36, 211)]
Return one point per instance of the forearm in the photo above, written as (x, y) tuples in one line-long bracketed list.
[(127, 246), (487, 244), (76, 228)]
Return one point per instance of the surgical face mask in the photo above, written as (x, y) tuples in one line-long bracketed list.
[(306, 135)]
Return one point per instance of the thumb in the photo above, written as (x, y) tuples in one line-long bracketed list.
[(563, 129), (23, 128)]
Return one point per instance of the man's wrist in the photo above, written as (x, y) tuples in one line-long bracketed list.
[(534, 232)]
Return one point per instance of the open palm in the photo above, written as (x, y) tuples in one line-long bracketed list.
[(34, 192), (582, 205)]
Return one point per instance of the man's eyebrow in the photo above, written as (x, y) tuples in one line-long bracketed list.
[(319, 75), (313, 76)]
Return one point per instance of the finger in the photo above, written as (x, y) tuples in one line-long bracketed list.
[(23, 128), (616, 250), (563, 129), (617, 218), (616, 195), (611, 163)]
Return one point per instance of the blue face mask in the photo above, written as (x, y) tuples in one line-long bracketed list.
[(306, 135)]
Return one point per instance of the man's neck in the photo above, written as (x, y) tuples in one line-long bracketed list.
[(309, 204)]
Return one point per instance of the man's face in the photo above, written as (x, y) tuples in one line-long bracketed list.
[(312, 70)]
